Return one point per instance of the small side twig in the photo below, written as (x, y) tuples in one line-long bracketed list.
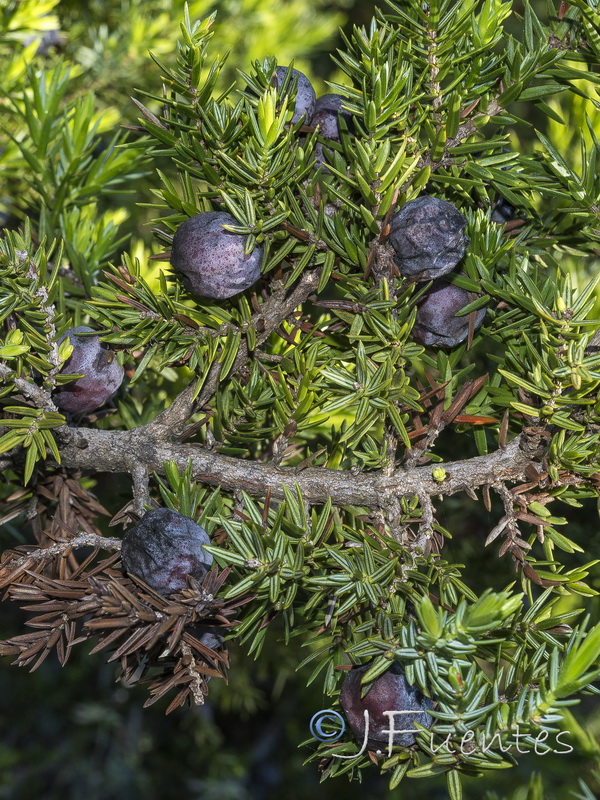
[(37, 394), (64, 548), (270, 316), (426, 525), (141, 491)]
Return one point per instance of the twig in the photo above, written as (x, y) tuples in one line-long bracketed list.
[(61, 548), (141, 493), (467, 129), (426, 525), (31, 391), (272, 313), (49, 312)]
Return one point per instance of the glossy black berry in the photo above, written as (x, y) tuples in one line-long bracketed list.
[(211, 260), (428, 236), (163, 548), (436, 324), (102, 373), (390, 692), (305, 95)]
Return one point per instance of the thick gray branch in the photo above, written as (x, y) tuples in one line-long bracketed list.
[(114, 451)]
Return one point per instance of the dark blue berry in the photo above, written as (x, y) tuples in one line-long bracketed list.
[(211, 260), (163, 548), (102, 373), (325, 115), (305, 95), (436, 324), (327, 109), (390, 692), (428, 236), (503, 211)]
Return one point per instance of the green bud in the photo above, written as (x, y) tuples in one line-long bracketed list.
[(538, 509), (13, 350), (15, 337)]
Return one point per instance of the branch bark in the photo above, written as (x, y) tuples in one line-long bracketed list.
[(114, 451)]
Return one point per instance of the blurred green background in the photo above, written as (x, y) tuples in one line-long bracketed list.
[(75, 733)]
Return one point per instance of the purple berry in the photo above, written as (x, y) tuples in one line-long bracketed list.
[(102, 373), (436, 324), (211, 260), (163, 548), (428, 237), (390, 692), (305, 95)]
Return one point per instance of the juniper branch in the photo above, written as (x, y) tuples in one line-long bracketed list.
[(115, 451)]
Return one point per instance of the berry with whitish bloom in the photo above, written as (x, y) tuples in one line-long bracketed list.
[(436, 324), (211, 260), (305, 95), (428, 237), (102, 373), (390, 692), (163, 548)]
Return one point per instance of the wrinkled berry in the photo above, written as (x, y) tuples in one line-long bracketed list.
[(436, 323), (390, 692), (211, 260), (428, 237), (102, 373), (163, 548), (305, 95)]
